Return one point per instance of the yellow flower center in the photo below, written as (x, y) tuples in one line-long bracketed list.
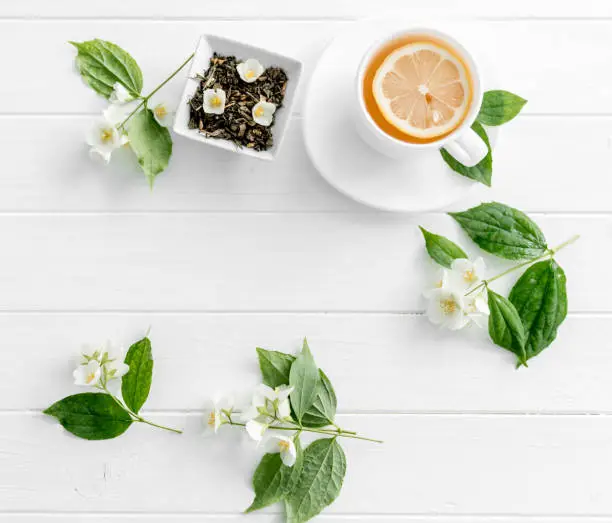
[(106, 135), (259, 111), (215, 101), (160, 111), (469, 276), (90, 377), (249, 74), (448, 306), (211, 419), (283, 445), (439, 284)]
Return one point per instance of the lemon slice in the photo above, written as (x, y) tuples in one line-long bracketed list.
[(422, 90)]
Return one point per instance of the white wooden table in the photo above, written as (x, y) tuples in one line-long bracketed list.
[(227, 254)]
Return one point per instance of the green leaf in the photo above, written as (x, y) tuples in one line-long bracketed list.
[(482, 171), (150, 142), (102, 64), (503, 231), (91, 416), (275, 367), (540, 298), (323, 409), (272, 480), (505, 325), (136, 384), (320, 481), (499, 107), (441, 249), (304, 378)]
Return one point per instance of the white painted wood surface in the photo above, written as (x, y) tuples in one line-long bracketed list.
[(228, 254)]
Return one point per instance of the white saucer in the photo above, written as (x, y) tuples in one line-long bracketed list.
[(421, 183)]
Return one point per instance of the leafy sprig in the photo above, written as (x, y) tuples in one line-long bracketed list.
[(103, 415), (296, 397), (527, 321), (498, 107), (114, 74)]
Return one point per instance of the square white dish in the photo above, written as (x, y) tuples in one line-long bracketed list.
[(210, 44)]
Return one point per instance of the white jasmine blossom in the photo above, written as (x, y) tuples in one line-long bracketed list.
[(256, 429), (88, 374), (465, 274), (214, 101), (446, 308), (286, 447), (103, 138), (263, 113), (218, 415), (440, 282), (120, 94), (250, 70), (163, 115), (268, 403)]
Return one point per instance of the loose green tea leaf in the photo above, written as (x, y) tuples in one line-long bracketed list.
[(441, 249), (150, 142), (102, 64), (304, 378), (275, 367), (320, 481), (323, 409), (499, 107), (540, 298), (482, 171), (136, 384), (505, 325), (503, 231), (272, 480), (91, 416)]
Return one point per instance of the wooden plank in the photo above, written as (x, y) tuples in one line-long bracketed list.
[(255, 262), (408, 365), (158, 9), (442, 465), (538, 59), (60, 176)]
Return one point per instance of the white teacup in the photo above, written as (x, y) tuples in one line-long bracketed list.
[(462, 143)]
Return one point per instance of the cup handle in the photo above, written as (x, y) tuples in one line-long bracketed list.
[(468, 148)]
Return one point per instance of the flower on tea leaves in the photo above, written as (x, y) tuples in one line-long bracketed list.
[(120, 94), (465, 274), (88, 374), (103, 138), (214, 101), (218, 415), (446, 308), (285, 446), (250, 70), (263, 113), (256, 429), (162, 114)]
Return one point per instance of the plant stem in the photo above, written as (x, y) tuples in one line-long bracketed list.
[(327, 432), (136, 417), (148, 97), (548, 254)]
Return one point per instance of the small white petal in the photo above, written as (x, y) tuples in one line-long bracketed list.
[(289, 456), (98, 156), (120, 94), (263, 113), (250, 70), (284, 409), (255, 429), (214, 101), (282, 392)]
